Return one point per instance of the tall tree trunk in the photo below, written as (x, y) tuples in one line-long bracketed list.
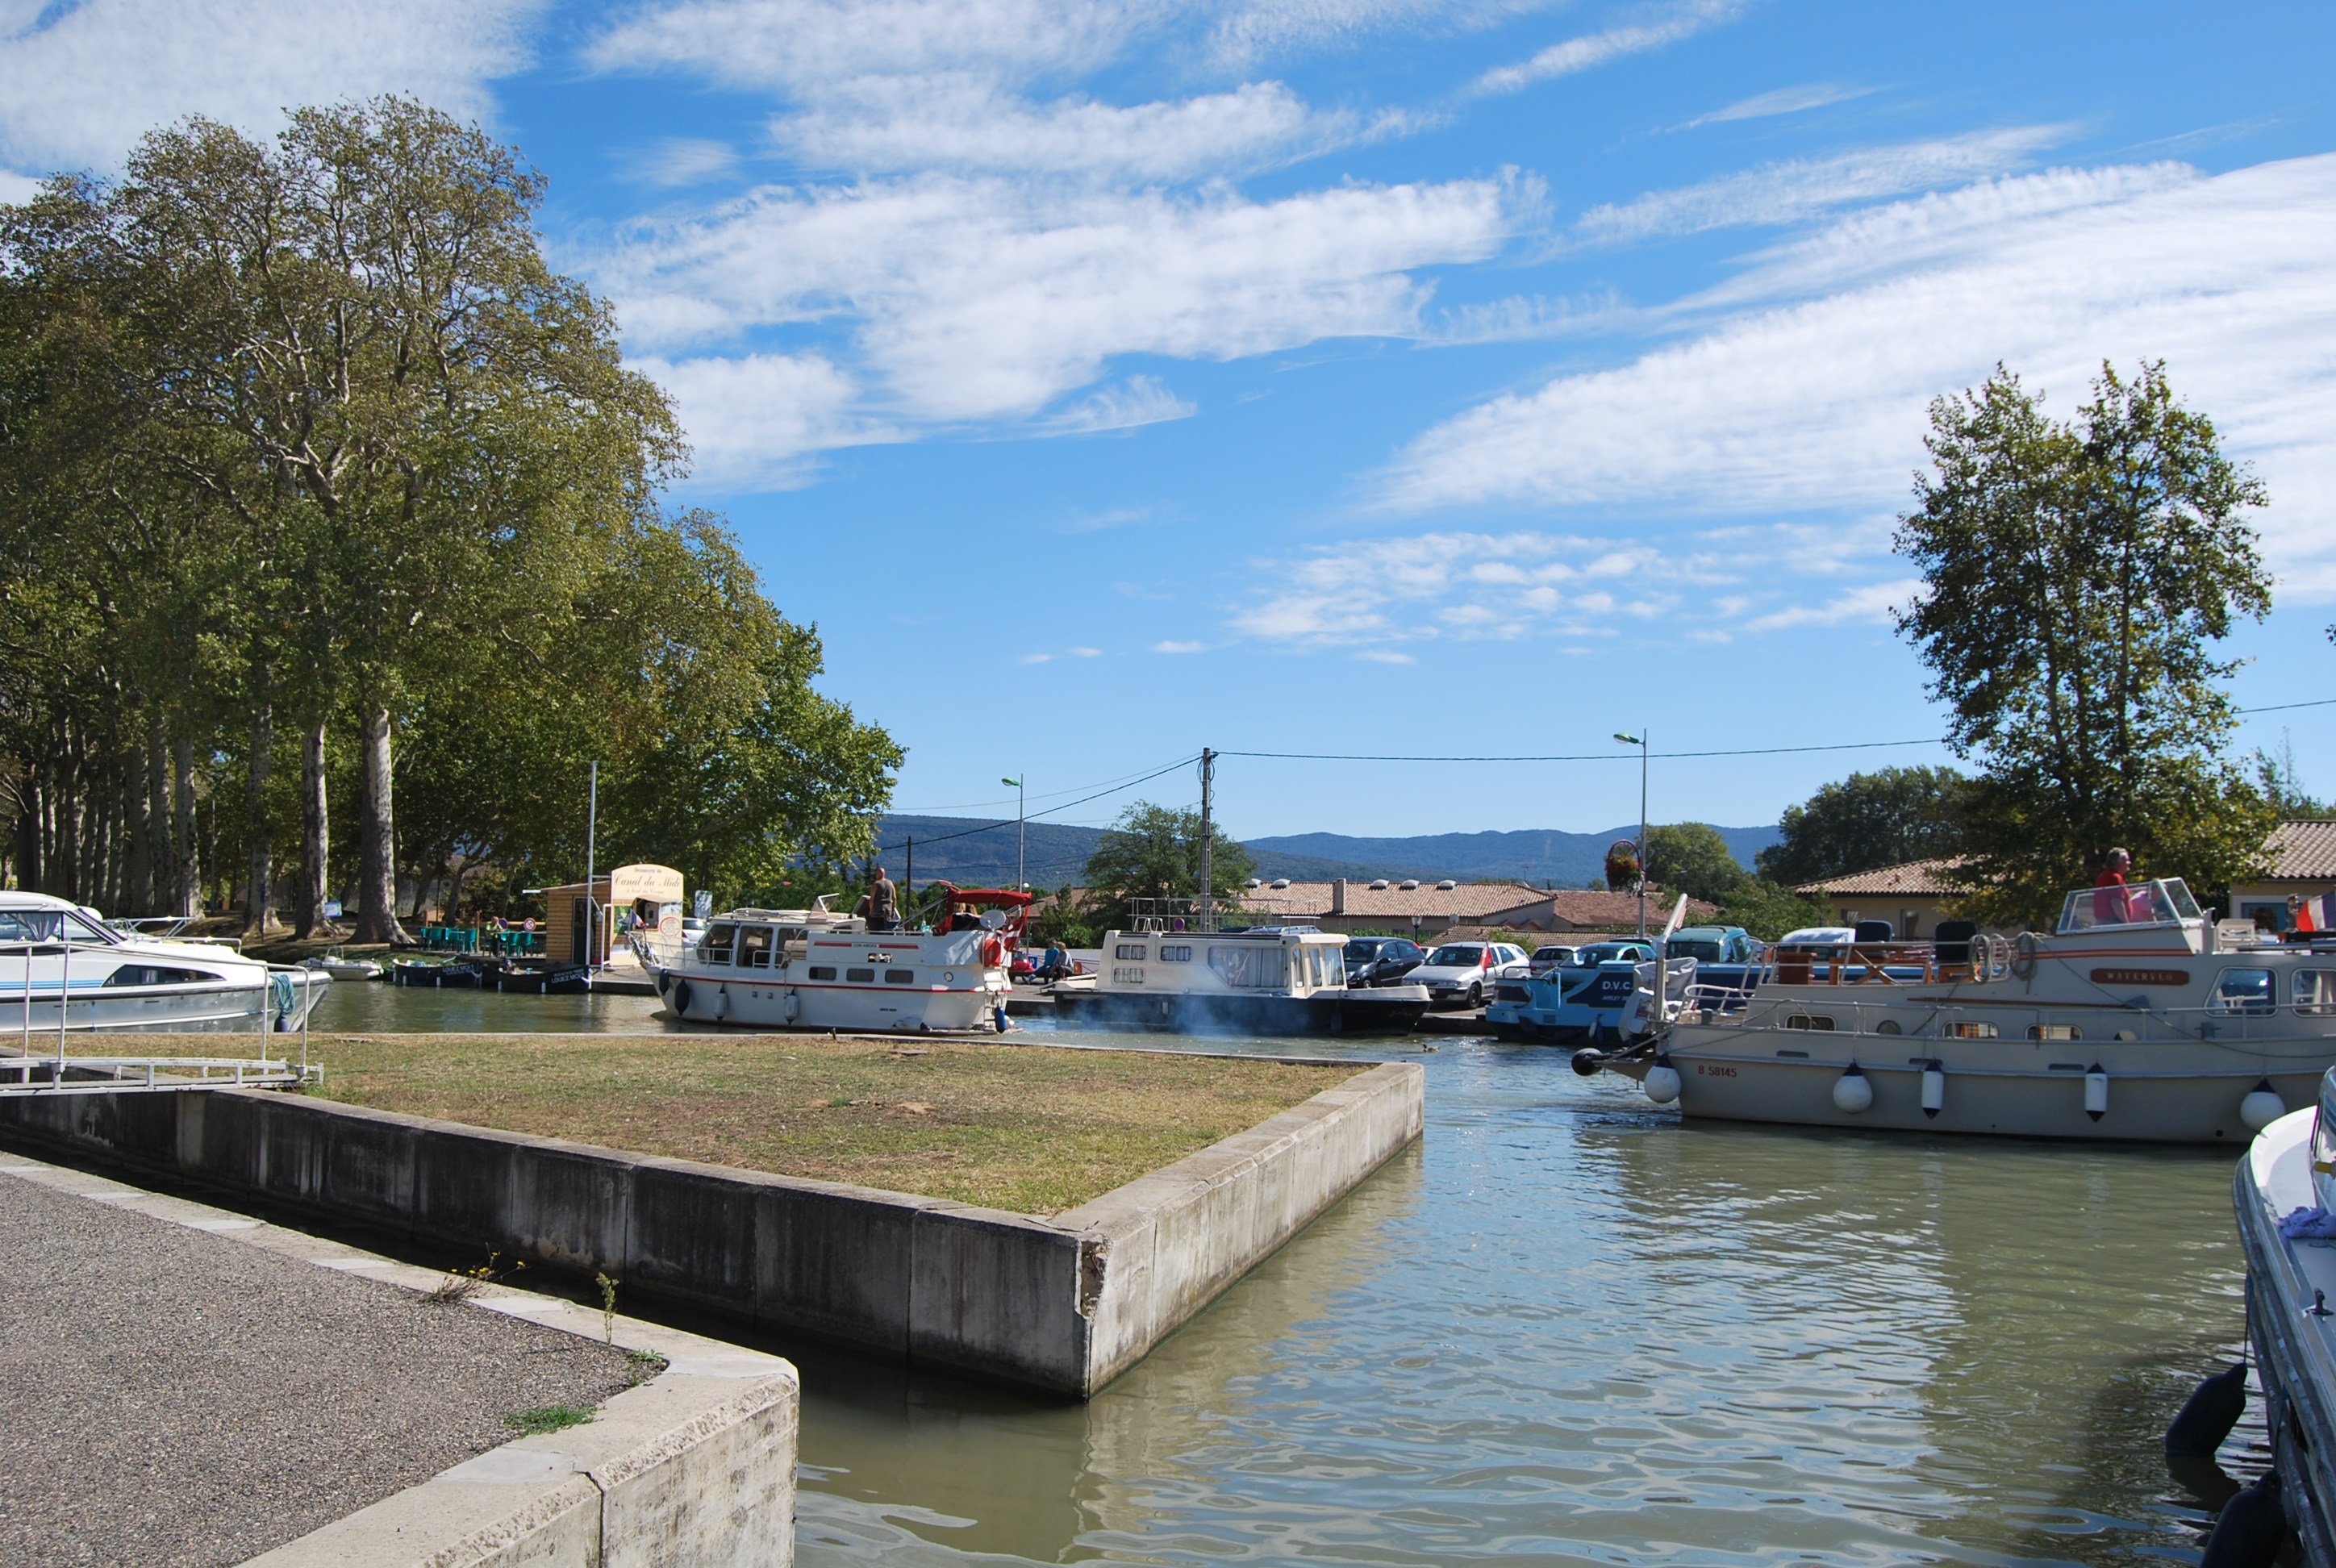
[(67, 860), (377, 836), (131, 885), (187, 880), (257, 906), (28, 835), (162, 865), (315, 842)]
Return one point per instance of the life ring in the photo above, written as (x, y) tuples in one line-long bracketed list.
[(992, 952), (680, 997), (2023, 956)]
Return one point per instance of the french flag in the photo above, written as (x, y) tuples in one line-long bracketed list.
[(2316, 914)]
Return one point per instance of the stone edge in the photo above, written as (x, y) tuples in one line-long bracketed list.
[(691, 1466)]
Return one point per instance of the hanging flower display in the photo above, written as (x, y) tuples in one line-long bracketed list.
[(1622, 863)]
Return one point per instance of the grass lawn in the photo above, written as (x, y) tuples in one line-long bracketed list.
[(1028, 1128)]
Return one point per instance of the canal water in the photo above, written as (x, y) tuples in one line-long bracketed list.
[(1567, 1329)]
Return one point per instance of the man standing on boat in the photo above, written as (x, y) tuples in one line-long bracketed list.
[(881, 905), (2108, 895)]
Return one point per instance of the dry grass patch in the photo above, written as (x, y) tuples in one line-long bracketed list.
[(1028, 1128)]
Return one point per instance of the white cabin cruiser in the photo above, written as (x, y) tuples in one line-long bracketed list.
[(2282, 1193), (2137, 1017), (1271, 980), (816, 970), (55, 954)]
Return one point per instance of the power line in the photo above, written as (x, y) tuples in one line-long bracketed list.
[(2283, 707), (1066, 806), (1106, 784), (1585, 756)]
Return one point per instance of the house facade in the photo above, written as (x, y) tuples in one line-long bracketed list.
[(1912, 897), (2302, 856), (1428, 910)]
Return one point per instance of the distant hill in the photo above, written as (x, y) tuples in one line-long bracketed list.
[(972, 853)]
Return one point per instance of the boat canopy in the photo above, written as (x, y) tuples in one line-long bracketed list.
[(2163, 902), (989, 896)]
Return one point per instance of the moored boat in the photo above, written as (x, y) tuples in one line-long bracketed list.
[(2281, 1193), (1268, 980), (56, 955), (815, 970), (2137, 1017)]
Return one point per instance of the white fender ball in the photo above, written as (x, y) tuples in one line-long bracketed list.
[(1853, 1091), (2262, 1107), (1661, 1083)]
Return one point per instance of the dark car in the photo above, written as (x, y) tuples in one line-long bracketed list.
[(1381, 960)]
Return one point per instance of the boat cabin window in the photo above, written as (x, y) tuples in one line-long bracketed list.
[(2315, 990), (1129, 950), (754, 947), (860, 976), (823, 971), (1179, 953), (153, 974), (2141, 904), (713, 947), (1808, 1021), (43, 926), (2244, 991), (1458, 956), (1260, 966)]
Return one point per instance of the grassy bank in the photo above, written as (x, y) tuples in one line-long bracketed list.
[(1028, 1128)]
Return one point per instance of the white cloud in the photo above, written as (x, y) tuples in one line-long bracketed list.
[(681, 161), (1179, 646), (1592, 49), (1787, 402), (1386, 655), (1140, 400), (1788, 192), (1872, 602), (793, 44), (754, 421), (1782, 101), (977, 298), (78, 90)]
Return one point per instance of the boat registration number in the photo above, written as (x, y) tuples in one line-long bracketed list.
[(1702, 1071)]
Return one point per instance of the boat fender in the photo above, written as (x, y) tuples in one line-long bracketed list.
[(788, 1005), (1001, 1018), (2097, 1092), (1662, 1082), (1588, 1062), (1934, 1090), (1853, 1091), (2262, 1107), (992, 951), (2251, 1529), (721, 1002), (2214, 1407), (664, 979), (680, 997)]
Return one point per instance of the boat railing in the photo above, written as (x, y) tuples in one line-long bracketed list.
[(1983, 957)]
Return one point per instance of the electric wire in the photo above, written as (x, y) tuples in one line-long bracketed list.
[(1066, 806)]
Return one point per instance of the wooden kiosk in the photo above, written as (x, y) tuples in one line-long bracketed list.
[(649, 895)]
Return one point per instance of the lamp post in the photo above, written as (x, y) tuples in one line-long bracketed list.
[(1639, 740), (1020, 796)]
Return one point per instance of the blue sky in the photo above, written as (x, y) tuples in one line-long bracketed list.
[(1107, 380)]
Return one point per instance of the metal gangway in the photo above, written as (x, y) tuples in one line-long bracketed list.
[(35, 1064)]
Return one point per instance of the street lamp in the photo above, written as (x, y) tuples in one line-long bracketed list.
[(1020, 818), (1639, 740)]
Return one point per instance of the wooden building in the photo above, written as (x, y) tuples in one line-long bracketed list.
[(629, 896)]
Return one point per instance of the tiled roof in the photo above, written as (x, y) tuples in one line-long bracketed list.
[(1588, 910), (2302, 851), (1915, 879), (1468, 900)]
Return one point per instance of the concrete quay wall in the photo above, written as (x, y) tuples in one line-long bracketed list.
[(1061, 1305)]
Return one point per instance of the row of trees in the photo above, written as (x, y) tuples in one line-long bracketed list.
[(333, 540)]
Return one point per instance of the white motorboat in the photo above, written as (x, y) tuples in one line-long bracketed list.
[(815, 970), (2290, 1175), (1271, 980), (343, 968), (56, 955), (2137, 1017)]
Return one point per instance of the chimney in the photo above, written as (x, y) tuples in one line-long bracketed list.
[(1339, 895)]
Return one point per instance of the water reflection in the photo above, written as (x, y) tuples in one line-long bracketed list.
[(1568, 1330)]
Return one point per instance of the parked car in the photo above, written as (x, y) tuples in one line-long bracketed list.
[(1712, 945), (1549, 958), (1460, 973), (1381, 960)]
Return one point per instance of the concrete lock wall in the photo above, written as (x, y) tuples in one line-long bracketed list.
[(1062, 1305)]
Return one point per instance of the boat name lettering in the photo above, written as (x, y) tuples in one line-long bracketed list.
[(1702, 1071), (2141, 977)]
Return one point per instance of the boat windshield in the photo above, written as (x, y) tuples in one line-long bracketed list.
[(2154, 903), (42, 926)]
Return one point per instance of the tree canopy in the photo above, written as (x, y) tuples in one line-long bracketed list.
[(1867, 820), (306, 449), (2078, 577), (1153, 851)]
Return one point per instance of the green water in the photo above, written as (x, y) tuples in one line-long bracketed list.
[(1566, 1328)]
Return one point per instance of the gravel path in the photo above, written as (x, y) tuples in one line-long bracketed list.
[(172, 1397)]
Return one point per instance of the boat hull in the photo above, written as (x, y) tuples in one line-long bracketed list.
[(2295, 1349), (2156, 1092), (1338, 1013)]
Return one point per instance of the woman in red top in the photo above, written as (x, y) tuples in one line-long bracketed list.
[(2110, 905)]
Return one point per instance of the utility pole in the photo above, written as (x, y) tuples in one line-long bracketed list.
[(1639, 740), (1021, 801), (1208, 910)]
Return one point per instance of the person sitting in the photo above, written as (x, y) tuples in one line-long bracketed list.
[(1056, 964)]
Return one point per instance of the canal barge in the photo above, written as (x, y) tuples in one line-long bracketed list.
[(815, 970), (1267, 980), (2291, 1280), (2137, 1017)]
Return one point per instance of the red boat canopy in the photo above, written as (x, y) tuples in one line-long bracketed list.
[(990, 896)]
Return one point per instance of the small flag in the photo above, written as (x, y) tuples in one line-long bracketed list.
[(2316, 914)]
